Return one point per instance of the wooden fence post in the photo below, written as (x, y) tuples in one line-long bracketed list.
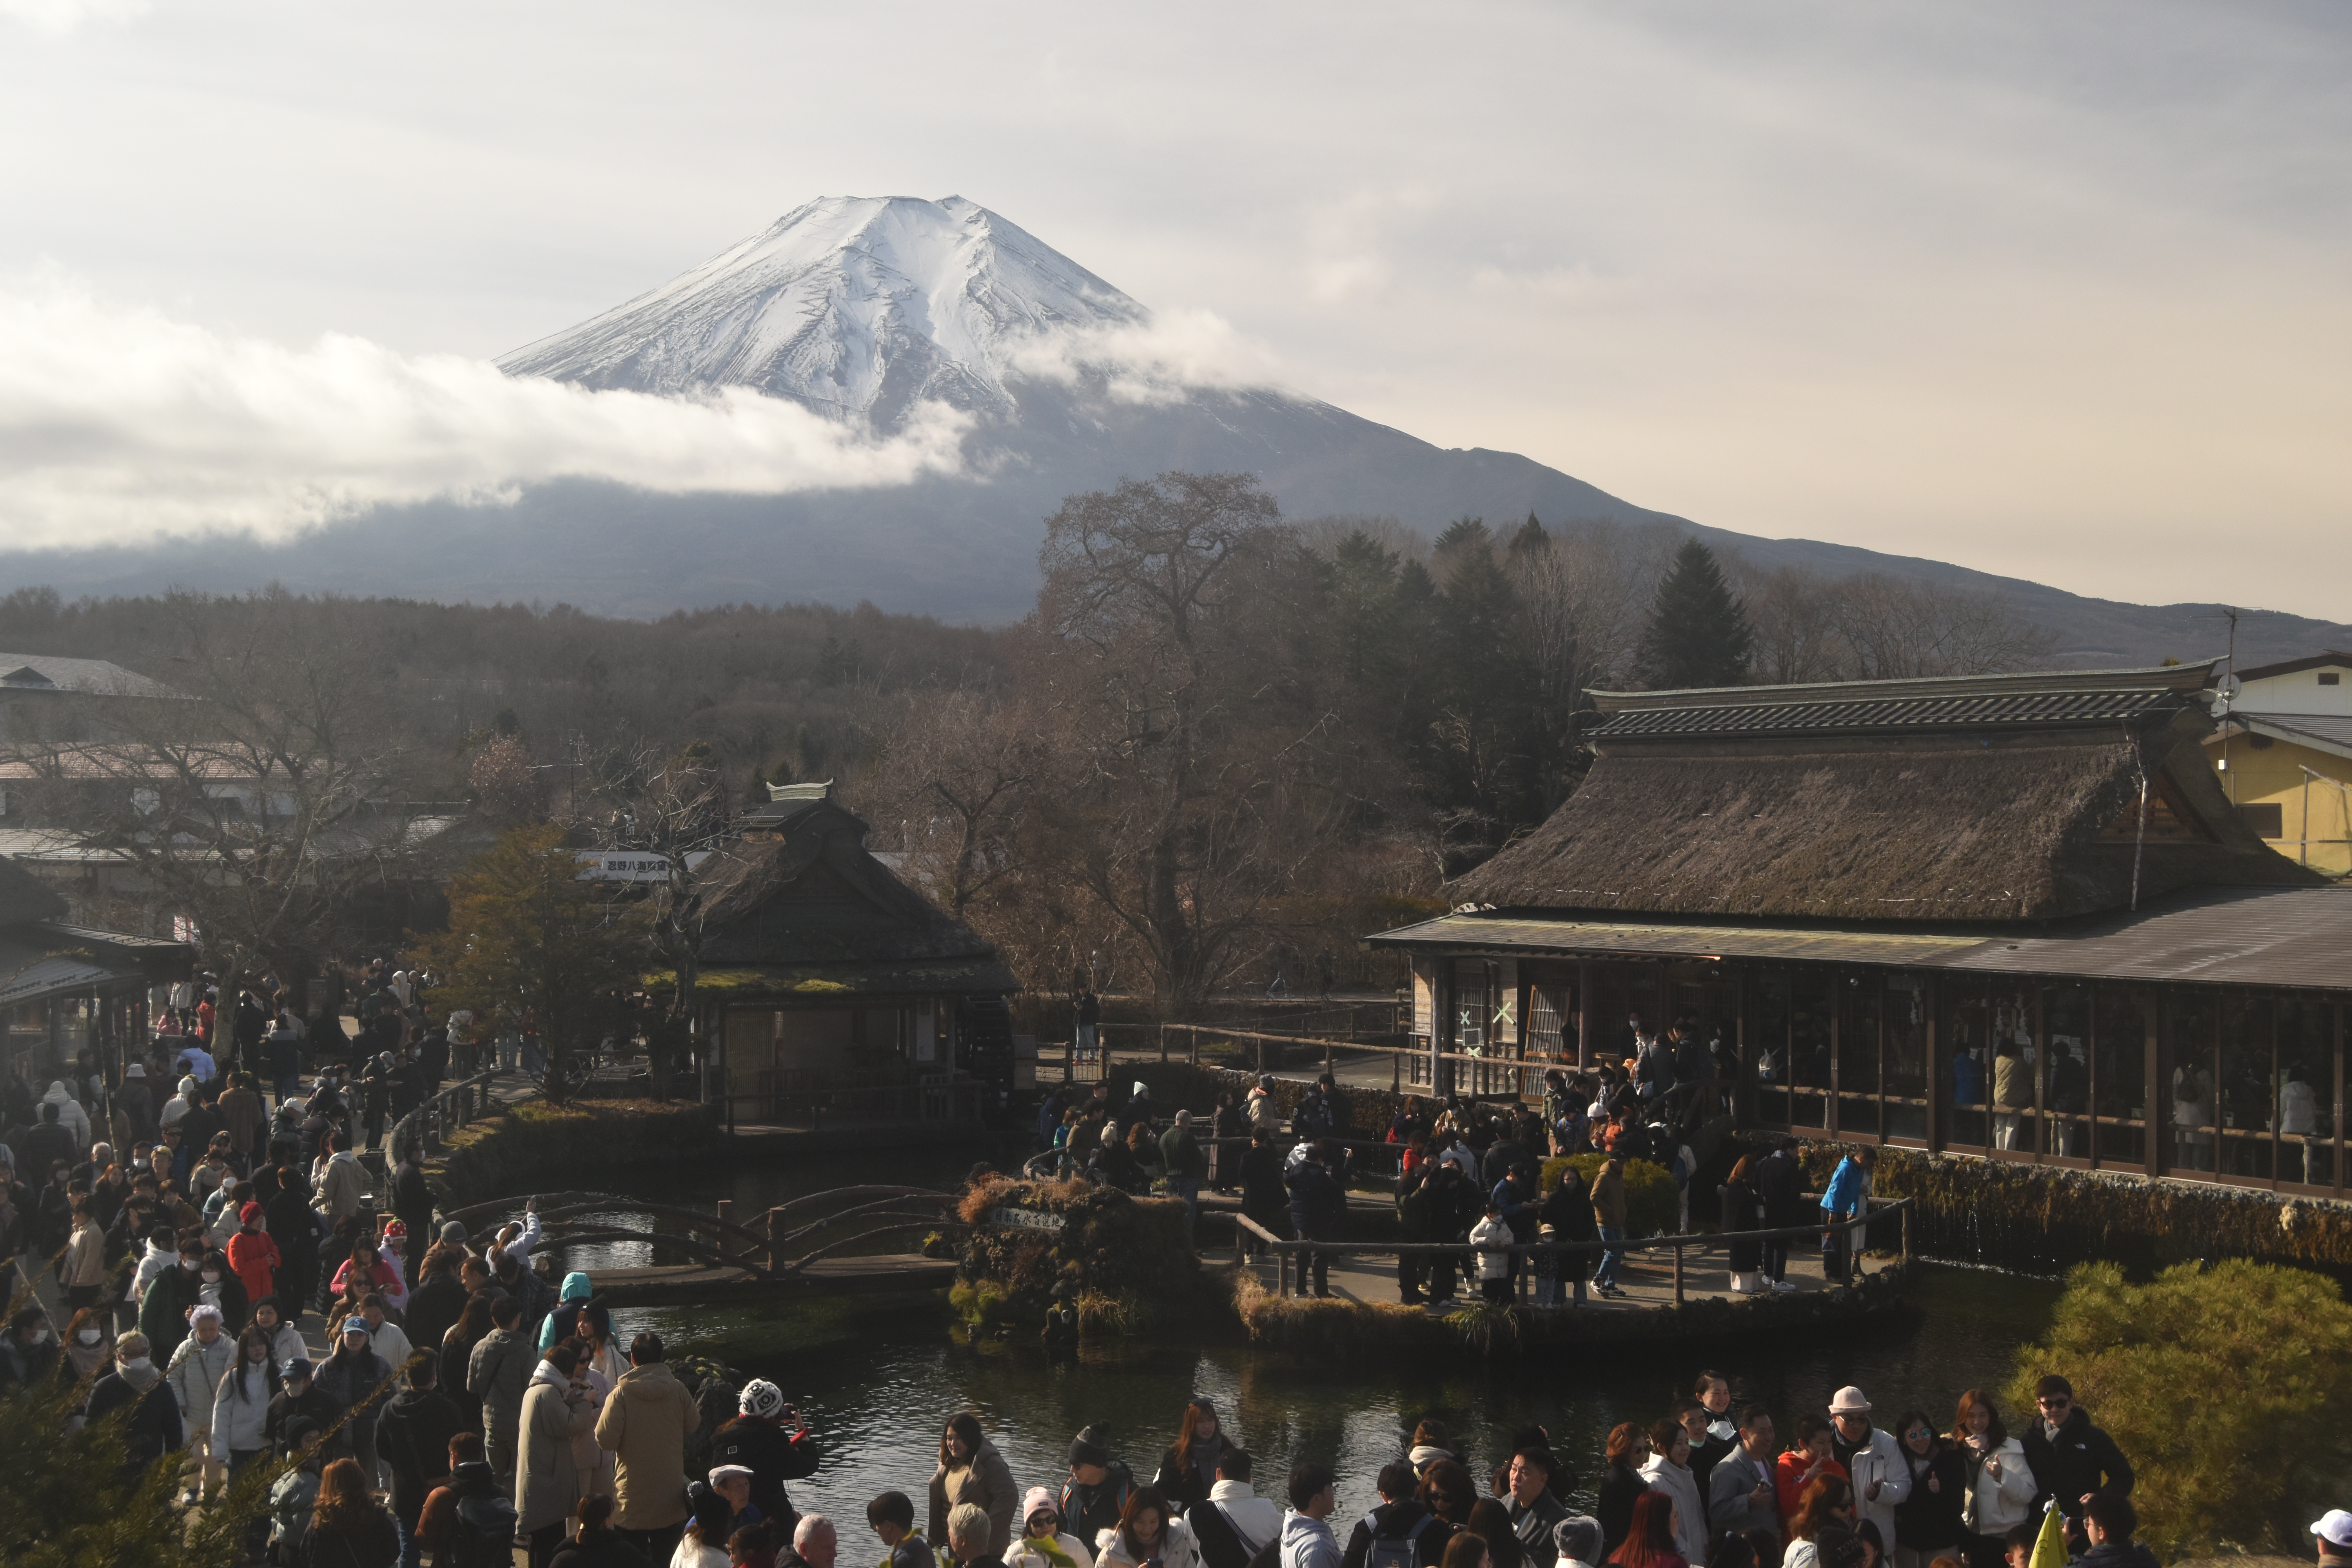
[(1163, 1045), (776, 1233), (1678, 1274), (1907, 1233)]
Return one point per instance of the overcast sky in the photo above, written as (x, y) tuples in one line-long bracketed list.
[(2063, 292)]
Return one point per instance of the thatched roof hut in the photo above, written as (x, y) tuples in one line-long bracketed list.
[(1995, 798)]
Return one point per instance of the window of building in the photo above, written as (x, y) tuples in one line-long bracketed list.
[(2066, 1072), (2331, 677), (2267, 818), (2119, 1078), (2306, 1092)]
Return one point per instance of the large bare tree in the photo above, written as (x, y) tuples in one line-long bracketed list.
[(1186, 752), (259, 801)]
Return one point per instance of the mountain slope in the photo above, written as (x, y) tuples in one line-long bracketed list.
[(864, 309)]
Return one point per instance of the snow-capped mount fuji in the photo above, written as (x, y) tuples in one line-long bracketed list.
[(871, 310), (858, 307)]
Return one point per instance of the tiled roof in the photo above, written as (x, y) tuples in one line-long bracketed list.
[(2012, 709)]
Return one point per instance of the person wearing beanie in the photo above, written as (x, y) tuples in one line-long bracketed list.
[(769, 1439), (1095, 1494), (1043, 1543), (1578, 1540)]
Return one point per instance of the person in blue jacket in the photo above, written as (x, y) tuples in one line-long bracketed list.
[(1844, 1198)]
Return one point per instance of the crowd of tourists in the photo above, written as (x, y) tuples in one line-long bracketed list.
[(1708, 1485), (1470, 1173)]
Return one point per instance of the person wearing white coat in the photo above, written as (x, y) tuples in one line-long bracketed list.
[(1177, 1547), (2001, 1483), (241, 1404), (1872, 1459), (70, 1115), (1668, 1471), (194, 1374)]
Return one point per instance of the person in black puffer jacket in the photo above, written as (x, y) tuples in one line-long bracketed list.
[(1927, 1521), (1318, 1211), (759, 1440), (2072, 1461)]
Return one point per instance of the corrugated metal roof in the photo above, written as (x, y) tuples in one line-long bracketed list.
[(2327, 728), (92, 677), (1634, 939), (2021, 708), (2273, 937), (2223, 936), (60, 976)]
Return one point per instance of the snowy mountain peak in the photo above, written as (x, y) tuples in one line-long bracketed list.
[(857, 306)]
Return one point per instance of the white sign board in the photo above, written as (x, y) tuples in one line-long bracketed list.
[(631, 865)]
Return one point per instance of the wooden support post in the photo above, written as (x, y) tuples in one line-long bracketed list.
[(1261, 1056), (776, 1233), (1282, 1271), (1192, 1045), (1678, 1274), (726, 1210), (1327, 1057), (1907, 1233), (1163, 1044)]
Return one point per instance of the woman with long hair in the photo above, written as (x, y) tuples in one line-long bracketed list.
[(1430, 1443), (472, 1327), (1669, 1471), (2000, 1484), (348, 1529), (971, 1470), (1148, 1530), (1827, 1504), (1621, 1484), (1188, 1469), (1650, 1539), (241, 1417), (1467, 1551)]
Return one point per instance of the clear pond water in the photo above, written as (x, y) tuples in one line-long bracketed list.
[(877, 1376)]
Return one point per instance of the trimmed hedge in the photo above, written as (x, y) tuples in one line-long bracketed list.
[(1653, 1202), (546, 1147)]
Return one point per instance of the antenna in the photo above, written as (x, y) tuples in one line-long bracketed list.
[(2228, 691)]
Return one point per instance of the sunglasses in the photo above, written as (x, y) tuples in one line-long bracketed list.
[(2059, 1403)]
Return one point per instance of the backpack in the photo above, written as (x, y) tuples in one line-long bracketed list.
[(484, 1535), (1395, 1551)]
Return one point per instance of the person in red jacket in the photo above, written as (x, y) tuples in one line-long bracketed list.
[(253, 1255)]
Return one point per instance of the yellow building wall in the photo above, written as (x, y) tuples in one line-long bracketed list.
[(2274, 775)]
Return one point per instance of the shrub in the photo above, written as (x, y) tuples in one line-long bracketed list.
[(1654, 1204), (2224, 1387)]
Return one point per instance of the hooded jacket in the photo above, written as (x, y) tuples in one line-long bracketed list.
[(577, 1289), (70, 1115), (1180, 1549), (1678, 1482), (195, 1372), (1308, 1543), (412, 1436), (1879, 1460), (646, 1423), (547, 1482)]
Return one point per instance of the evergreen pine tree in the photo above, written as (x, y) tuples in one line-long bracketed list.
[(1530, 537), (1698, 633)]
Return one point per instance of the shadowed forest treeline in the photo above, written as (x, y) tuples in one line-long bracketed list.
[(1224, 744)]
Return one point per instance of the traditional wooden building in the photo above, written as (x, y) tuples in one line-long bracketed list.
[(833, 991), (1894, 898), (67, 991)]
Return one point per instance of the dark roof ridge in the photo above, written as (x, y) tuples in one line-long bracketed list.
[(2193, 676), (2295, 666)]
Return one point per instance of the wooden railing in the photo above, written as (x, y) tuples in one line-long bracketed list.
[(1245, 1228), (444, 1112)]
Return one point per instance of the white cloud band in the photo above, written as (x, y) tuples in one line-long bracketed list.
[(118, 426)]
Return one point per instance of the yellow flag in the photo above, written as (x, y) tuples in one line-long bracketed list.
[(2049, 1547)]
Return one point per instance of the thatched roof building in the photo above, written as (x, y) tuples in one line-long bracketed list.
[(1884, 896), (836, 992), (1978, 799)]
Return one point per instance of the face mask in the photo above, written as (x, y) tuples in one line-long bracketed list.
[(136, 1363), (41, 1335), (189, 1264), (211, 1276), (88, 1336)]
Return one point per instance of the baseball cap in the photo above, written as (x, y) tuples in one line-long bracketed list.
[(2334, 1527)]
